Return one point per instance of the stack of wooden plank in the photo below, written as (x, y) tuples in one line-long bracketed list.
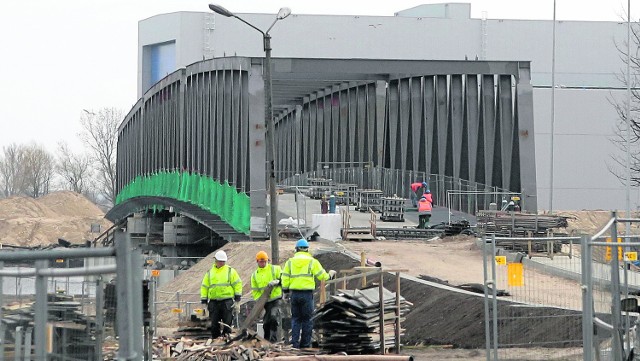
[(195, 328), (350, 321)]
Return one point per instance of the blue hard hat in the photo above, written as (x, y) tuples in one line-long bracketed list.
[(424, 184), (427, 191), (302, 243)]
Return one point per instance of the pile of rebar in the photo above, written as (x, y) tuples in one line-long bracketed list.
[(511, 224)]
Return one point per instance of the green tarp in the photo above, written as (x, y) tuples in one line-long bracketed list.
[(221, 199)]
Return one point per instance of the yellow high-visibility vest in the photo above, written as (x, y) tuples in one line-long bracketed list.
[(221, 284), (301, 271), (261, 278)]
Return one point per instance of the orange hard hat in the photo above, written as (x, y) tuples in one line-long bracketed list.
[(262, 256)]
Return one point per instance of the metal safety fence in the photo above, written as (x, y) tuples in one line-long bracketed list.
[(536, 289), (169, 308), (75, 327), (533, 307), (610, 262), (52, 311)]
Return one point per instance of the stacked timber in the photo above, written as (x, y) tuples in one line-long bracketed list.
[(194, 328), (510, 224), (350, 321)]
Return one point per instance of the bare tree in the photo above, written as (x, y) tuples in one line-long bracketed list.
[(11, 170), (38, 170), (617, 164), (100, 134), (75, 169)]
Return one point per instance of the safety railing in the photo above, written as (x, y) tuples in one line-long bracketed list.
[(460, 194)]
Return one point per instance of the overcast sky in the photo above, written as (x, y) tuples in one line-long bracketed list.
[(59, 57)]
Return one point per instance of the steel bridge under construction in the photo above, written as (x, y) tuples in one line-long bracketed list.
[(195, 142)]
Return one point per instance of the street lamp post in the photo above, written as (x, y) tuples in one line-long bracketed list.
[(268, 119)]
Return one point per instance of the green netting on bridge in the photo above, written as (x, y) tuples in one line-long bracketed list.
[(221, 199)]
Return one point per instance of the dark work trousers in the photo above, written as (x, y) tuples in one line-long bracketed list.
[(423, 220), (271, 320), (414, 199), (220, 311), (301, 312)]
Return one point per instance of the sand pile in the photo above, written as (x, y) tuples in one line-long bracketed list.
[(25, 221), (590, 222)]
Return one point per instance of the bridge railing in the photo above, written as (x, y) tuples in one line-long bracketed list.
[(462, 195)]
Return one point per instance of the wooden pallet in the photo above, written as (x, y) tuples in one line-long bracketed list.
[(359, 236)]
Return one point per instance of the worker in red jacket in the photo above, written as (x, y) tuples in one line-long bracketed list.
[(424, 209), (417, 189)]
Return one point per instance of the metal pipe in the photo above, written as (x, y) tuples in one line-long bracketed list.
[(398, 309), (553, 106), (616, 344), (99, 318), (587, 300), (603, 230), (625, 245), (60, 272), (49, 255), (526, 239), (40, 317), (598, 322), (487, 282), (381, 299), (628, 122), (629, 220), (495, 299), (273, 200), (2, 328)]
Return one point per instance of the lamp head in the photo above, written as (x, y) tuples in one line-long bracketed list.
[(222, 11), (283, 13)]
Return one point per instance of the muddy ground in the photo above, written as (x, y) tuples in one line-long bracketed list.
[(443, 317)]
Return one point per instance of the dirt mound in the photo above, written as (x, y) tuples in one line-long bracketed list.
[(71, 204), (25, 221), (445, 317), (590, 222)]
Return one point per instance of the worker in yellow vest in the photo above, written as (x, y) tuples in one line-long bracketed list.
[(268, 275), (221, 291), (298, 279)]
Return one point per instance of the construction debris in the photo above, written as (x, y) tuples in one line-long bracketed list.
[(454, 228), (247, 348), (350, 321)]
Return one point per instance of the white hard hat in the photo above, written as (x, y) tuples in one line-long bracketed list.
[(221, 256)]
